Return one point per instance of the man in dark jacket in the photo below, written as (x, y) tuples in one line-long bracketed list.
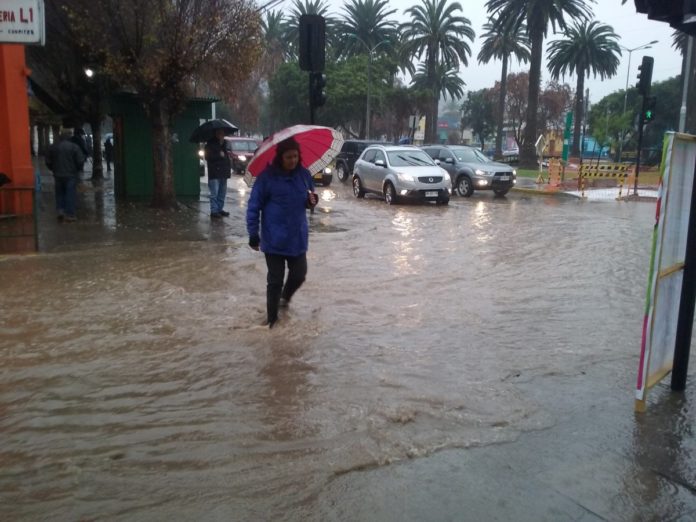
[(219, 167), (65, 160)]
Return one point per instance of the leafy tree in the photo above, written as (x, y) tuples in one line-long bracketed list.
[(501, 45), (607, 121), (516, 103), (158, 48), (478, 114), (554, 103), (538, 15), (586, 49), (438, 33)]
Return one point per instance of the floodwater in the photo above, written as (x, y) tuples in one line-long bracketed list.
[(137, 382)]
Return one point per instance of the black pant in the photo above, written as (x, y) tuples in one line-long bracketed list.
[(297, 270)]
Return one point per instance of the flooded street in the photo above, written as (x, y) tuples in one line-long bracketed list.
[(138, 384)]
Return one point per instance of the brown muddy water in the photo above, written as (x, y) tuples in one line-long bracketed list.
[(137, 383)]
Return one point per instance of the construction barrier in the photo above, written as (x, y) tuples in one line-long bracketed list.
[(617, 171)]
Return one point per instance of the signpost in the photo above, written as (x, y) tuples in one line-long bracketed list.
[(22, 22)]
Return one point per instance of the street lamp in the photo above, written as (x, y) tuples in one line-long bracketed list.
[(628, 73), (370, 52)]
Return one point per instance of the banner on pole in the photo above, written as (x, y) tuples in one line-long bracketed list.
[(667, 262)]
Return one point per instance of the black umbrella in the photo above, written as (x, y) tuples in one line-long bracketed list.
[(207, 130)]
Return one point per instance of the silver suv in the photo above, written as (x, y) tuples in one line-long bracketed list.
[(400, 172), (470, 169)]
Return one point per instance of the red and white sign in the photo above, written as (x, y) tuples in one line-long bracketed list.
[(22, 22)]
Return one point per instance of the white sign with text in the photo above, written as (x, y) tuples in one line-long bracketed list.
[(22, 22)]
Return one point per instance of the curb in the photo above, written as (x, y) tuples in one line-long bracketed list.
[(540, 192)]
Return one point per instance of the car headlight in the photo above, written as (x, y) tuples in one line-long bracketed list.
[(201, 154), (404, 177), (514, 172), (241, 157), (480, 172), (327, 170), (445, 176)]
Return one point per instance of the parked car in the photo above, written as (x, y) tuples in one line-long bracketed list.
[(350, 152), (470, 169), (240, 151), (400, 172), (323, 177)]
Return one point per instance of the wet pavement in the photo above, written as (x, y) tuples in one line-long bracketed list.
[(469, 362)]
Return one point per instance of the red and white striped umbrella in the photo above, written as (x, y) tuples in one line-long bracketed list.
[(318, 147)]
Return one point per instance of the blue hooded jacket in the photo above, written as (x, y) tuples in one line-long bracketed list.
[(279, 200)]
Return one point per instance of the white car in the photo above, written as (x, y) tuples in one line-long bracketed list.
[(400, 173)]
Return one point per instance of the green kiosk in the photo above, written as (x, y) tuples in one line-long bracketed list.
[(133, 148)]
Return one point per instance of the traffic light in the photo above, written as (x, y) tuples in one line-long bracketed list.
[(649, 108), (312, 42), (645, 75), (680, 14), (317, 86)]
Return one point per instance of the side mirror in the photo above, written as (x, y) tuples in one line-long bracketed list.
[(437, 162), (380, 163), (449, 160)]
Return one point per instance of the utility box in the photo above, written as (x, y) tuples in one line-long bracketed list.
[(133, 163)]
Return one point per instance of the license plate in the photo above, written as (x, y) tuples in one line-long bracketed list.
[(504, 178), (431, 194)]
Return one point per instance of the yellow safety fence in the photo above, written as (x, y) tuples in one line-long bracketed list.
[(617, 171)]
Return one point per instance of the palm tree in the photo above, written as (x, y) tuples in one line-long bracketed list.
[(679, 41), (437, 31), (586, 49), (447, 81), (364, 25), (537, 14), (501, 45), (292, 25), (275, 46)]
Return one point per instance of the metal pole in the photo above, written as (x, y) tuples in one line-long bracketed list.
[(640, 145), (311, 101), (369, 77), (623, 131), (685, 88), (685, 320)]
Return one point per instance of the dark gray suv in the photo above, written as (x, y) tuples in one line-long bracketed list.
[(470, 169)]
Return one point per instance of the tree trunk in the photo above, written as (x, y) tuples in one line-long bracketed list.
[(431, 115), (97, 167), (579, 110), (501, 111), (163, 196), (527, 152)]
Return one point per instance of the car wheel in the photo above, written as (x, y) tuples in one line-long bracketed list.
[(464, 186), (358, 190), (500, 192), (389, 194), (342, 173)]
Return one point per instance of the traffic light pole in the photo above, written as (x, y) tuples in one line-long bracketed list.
[(641, 124), (312, 109)]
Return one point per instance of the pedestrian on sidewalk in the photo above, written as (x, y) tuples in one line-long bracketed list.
[(65, 160), (219, 168), (279, 199), (108, 153)]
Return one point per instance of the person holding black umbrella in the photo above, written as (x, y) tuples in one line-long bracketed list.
[(219, 168)]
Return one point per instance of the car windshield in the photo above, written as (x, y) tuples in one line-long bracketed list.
[(469, 155), (409, 158), (243, 146)]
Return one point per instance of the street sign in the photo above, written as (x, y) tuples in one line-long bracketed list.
[(22, 22)]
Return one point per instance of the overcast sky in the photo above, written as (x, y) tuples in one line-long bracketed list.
[(634, 29)]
